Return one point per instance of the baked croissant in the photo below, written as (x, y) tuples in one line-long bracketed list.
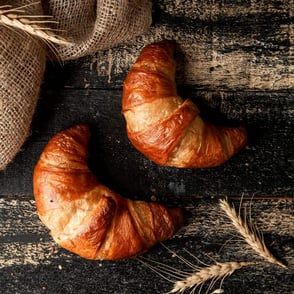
[(88, 218), (162, 126)]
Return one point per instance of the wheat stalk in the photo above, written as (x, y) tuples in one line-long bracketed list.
[(213, 272), (191, 280), (31, 24), (249, 232)]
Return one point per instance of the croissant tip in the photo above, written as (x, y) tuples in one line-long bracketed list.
[(164, 44), (82, 127), (79, 128)]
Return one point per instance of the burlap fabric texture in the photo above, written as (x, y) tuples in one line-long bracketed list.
[(90, 25), (22, 64)]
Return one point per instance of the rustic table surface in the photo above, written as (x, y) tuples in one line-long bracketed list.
[(236, 62)]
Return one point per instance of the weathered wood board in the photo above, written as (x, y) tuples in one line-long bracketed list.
[(264, 168), (235, 61), (30, 262)]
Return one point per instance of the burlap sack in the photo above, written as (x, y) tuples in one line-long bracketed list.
[(89, 24), (22, 64), (93, 25)]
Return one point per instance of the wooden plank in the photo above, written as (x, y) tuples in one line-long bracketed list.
[(264, 168), (223, 45), (235, 61), (210, 10), (235, 45), (30, 262)]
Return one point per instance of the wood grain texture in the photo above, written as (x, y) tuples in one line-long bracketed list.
[(235, 45), (30, 262), (222, 45), (235, 61), (264, 168)]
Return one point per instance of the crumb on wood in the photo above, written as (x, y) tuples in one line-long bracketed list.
[(153, 198)]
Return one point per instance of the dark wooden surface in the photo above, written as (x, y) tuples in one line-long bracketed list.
[(235, 60)]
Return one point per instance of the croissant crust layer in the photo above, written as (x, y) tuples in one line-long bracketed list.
[(162, 126), (86, 217)]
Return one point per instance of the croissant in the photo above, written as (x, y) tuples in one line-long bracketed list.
[(86, 217), (166, 129)]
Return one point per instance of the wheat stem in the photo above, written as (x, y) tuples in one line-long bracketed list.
[(213, 272), (249, 232), (12, 17), (191, 280)]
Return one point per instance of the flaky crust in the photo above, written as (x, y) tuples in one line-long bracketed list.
[(86, 217), (162, 126)]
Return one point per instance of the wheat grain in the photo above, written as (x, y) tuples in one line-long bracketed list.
[(196, 275), (191, 280), (31, 24), (218, 291), (249, 232), (213, 272)]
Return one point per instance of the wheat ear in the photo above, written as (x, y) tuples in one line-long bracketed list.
[(249, 232), (213, 272), (31, 24), (184, 280)]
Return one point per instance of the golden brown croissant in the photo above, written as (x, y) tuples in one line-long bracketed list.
[(162, 126), (86, 217)]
